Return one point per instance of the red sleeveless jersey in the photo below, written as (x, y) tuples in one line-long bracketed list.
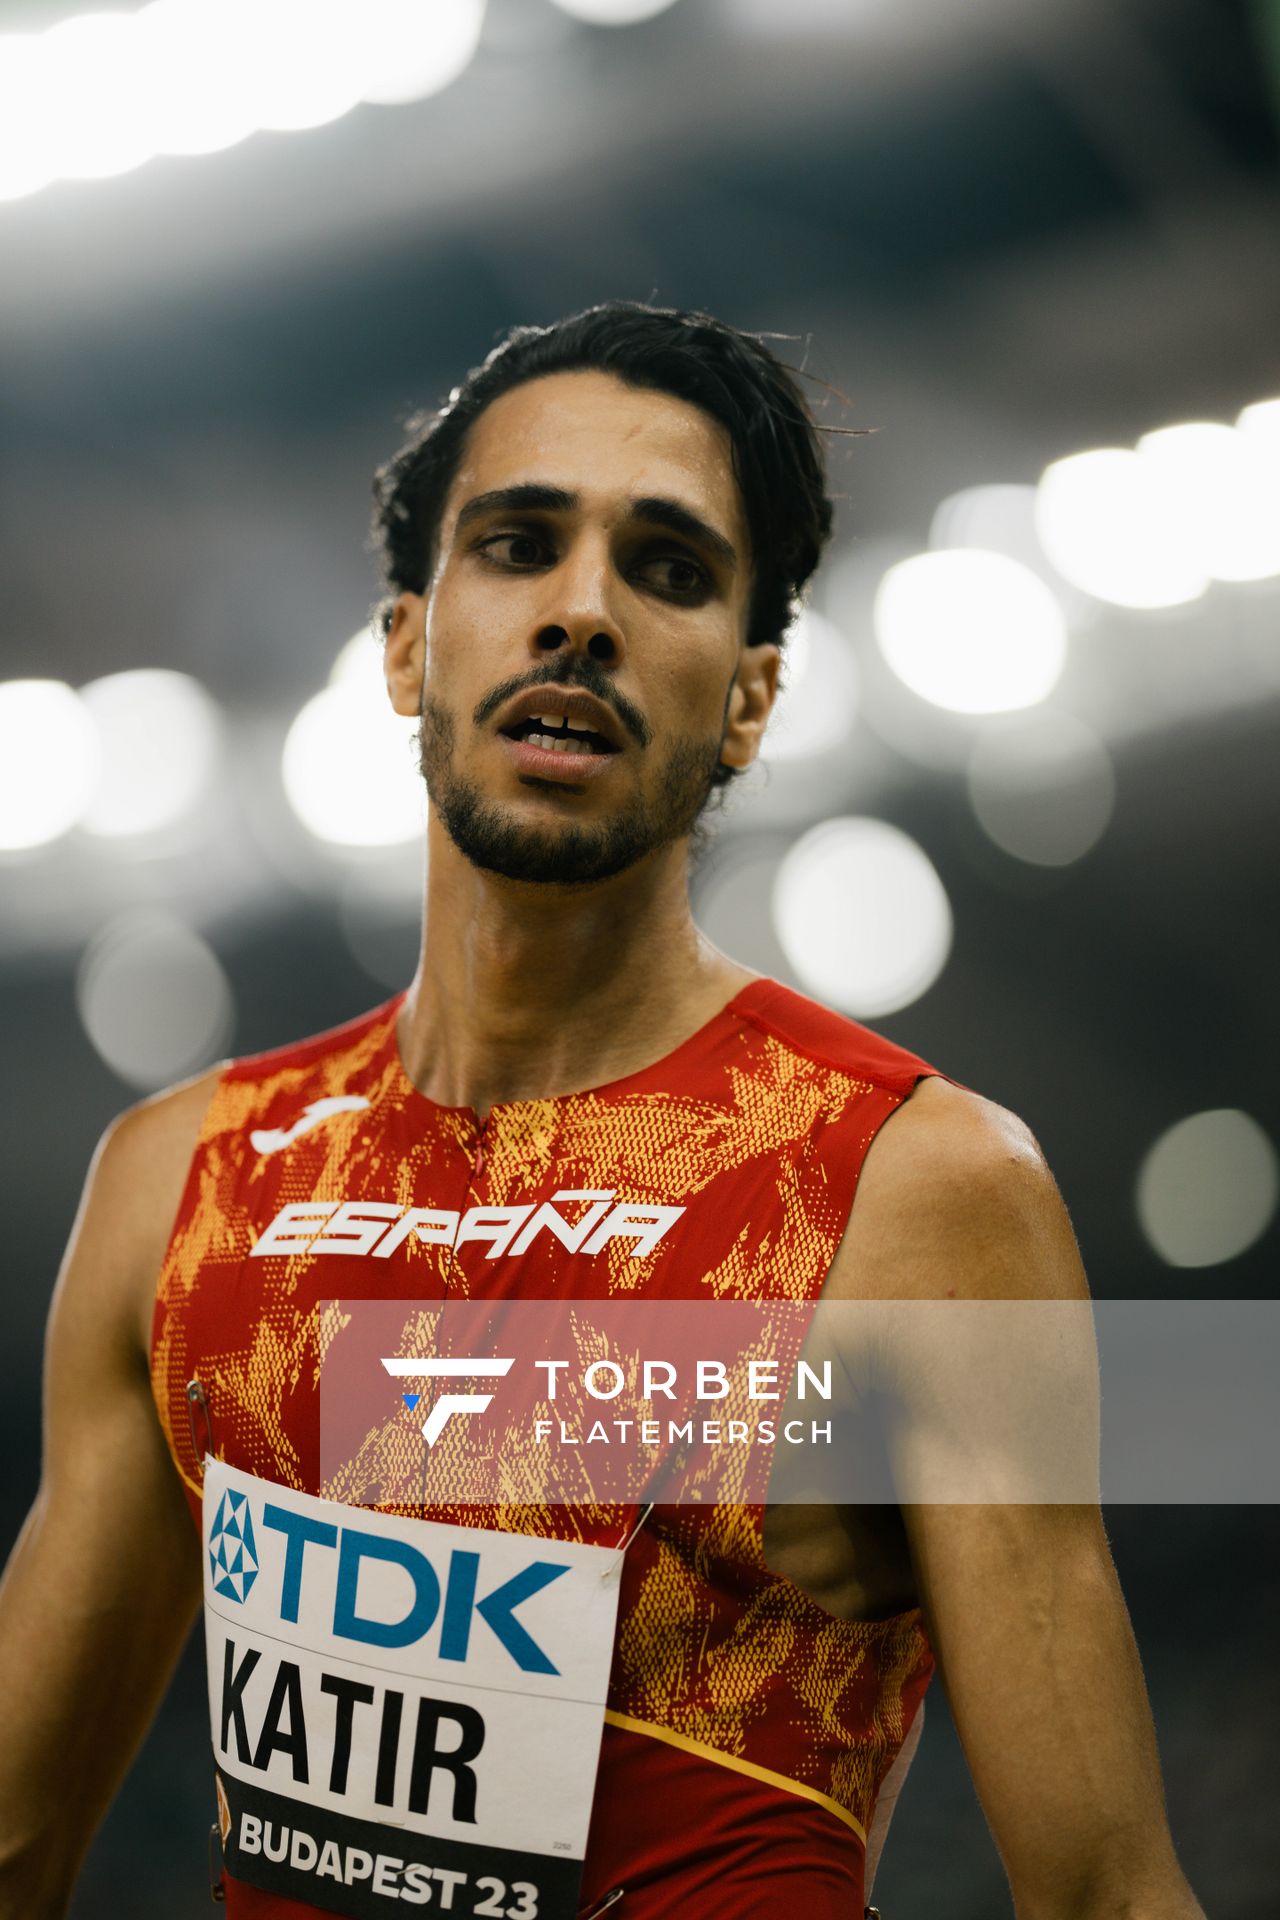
[(748, 1731)]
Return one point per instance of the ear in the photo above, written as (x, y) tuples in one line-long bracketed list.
[(403, 651), (751, 698)]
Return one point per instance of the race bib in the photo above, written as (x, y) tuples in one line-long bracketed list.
[(401, 1711)]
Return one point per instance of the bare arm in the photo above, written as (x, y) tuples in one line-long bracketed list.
[(1021, 1600), (103, 1584)]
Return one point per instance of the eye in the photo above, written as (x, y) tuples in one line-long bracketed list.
[(676, 574), (523, 549)]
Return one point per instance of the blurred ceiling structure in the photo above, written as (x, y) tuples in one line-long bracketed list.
[(1086, 190)]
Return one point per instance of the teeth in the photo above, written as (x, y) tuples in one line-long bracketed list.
[(557, 720), (558, 743)]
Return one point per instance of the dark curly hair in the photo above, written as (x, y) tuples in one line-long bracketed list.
[(730, 375)]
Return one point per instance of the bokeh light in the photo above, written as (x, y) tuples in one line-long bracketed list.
[(1000, 517), (350, 764), (48, 761), (613, 13), (862, 916), (409, 51), (153, 998), (300, 61), (1223, 494), (27, 159), (359, 663), (818, 705), (1207, 1189), (1109, 524), (1043, 787), (1261, 422), (202, 95), (92, 84), (99, 93), (159, 735), (971, 631)]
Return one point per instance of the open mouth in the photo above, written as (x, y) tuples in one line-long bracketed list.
[(556, 734)]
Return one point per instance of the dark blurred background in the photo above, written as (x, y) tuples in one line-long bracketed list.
[(1020, 812)]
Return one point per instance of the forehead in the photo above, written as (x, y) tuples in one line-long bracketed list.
[(592, 434)]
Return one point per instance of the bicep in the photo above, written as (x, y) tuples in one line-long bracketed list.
[(102, 1587), (106, 1467), (97, 1600)]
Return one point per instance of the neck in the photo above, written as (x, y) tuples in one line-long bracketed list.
[(526, 991)]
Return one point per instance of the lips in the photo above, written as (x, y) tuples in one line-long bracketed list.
[(565, 721), (566, 764)]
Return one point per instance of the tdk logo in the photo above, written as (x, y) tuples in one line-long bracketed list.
[(450, 1600), (233, 1551), (381, 1228)]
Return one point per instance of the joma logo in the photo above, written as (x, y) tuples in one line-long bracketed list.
[(380, 1227)]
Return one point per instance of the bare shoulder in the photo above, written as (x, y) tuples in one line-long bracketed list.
[(144, 1154), (130, 1198), (946, 1143), (955, 1200)]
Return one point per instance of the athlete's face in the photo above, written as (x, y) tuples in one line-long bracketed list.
[(592, 569)]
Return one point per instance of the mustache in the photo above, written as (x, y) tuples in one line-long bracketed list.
[(580, 670)]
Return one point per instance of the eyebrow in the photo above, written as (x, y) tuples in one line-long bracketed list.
[(532, 496)]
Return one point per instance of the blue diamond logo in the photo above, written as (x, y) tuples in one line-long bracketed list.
[(233, 1551)]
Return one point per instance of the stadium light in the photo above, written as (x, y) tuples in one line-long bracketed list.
[(99, 93), (971, 631), (862, 915)]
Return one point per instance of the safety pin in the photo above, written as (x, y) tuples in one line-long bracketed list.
[(197, 1403), (680, 1461), (611, 1899), (217, 1883), (625, 1542)]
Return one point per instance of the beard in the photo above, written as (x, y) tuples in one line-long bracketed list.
[(490, 837)]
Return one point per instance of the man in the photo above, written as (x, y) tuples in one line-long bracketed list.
[(593, 554)]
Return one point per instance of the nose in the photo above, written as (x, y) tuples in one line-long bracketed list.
[(601, 645), (577, 616)]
